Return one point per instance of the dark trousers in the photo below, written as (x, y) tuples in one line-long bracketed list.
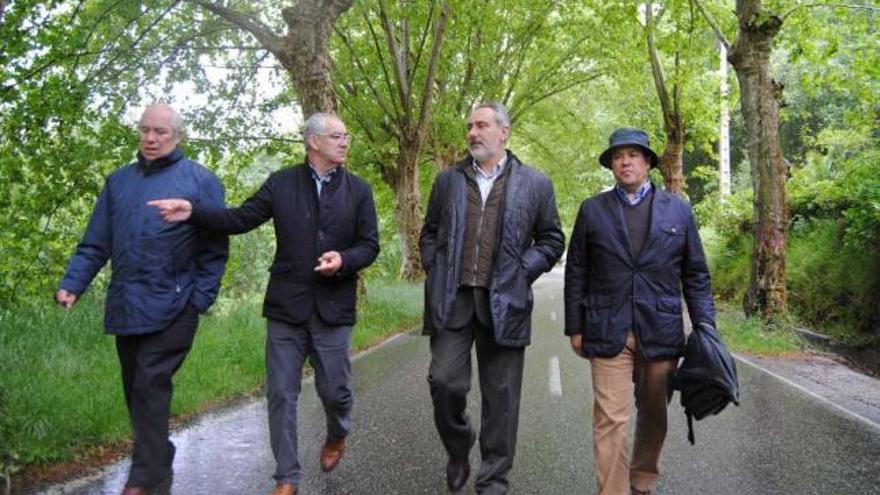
[(148, 363), (500, 373), (287, 347)]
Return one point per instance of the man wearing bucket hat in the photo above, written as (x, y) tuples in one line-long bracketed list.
[(634, 251)]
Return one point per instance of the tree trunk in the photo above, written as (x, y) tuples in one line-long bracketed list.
[(750, 56), (306, 55), (671, 160), (303, 52), (409, 220)]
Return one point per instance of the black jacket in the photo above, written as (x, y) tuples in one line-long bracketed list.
[(529, 242), (706, 377), (608, 291), (343, 220)]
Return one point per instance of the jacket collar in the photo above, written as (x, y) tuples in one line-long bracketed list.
[(160, 163), (511, 162), (335, 176)]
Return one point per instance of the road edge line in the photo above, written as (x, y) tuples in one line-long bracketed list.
[(805, 390)]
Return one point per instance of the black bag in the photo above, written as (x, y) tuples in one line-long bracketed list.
[(706, 377)]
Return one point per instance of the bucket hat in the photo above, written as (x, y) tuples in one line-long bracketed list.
[(628, 137)]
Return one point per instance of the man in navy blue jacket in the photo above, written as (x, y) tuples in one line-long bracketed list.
[(326, 232), (163, 277), (634, 251)]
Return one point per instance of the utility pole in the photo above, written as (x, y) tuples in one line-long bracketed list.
[(724, 128)]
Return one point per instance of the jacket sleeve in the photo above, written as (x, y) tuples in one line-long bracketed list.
[(93, 250), (212, 250), (695, 281), (428, 236), (548, 239), (366, 246), (575, 288), (251, 214)]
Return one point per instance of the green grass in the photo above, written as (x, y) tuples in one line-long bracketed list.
[(60, 389), (752, 335)]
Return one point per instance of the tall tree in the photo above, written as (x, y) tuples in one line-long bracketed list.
[(392, 59), (670, 107), (760, 98), (406, 42)]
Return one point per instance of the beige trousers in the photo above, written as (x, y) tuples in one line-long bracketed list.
[(615, 381)]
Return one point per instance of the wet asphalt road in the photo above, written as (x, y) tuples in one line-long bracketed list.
[(778, 441)]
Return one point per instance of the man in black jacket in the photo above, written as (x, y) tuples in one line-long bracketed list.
[(325, 227), (490, 230), (634, 251)]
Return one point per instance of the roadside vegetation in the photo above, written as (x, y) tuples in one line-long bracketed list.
[(403, 75), (833, 272), (60, 376)]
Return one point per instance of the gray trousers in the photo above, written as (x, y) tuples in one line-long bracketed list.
[(287, 347), (500, 373)]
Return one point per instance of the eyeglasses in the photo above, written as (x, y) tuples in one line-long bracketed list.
[(345, 138)]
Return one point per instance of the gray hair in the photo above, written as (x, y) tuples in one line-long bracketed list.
[(315, 125), (502, 116), (177, 125)]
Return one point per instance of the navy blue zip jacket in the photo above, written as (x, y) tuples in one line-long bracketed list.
[(157, 267), (343, 220), (608, 291)]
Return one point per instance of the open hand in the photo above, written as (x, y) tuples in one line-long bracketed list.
[(173, 210)]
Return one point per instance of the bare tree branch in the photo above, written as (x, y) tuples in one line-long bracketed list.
[(424, 37), (656, 67), (833, 5), (427, 92), (358, 63), (263, 33), (530, 102), (398, 62), (240, 137), (713, 24)]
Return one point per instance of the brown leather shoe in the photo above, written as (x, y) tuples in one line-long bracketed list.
[(284, 489), (457, 473), (134, 490), (331, 454), (636, 491)]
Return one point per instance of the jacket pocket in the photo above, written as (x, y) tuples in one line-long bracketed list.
[(666, 330), (597, 311), (672, 236), (669, 305)]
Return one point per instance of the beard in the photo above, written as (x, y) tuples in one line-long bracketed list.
[(482, 151)]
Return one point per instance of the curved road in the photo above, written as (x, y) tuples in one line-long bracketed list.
[(779, 441)]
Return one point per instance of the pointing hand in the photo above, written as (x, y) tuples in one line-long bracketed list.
[(173, 210)]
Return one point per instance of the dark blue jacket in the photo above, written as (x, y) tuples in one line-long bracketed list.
[(157, 267), (529, 242), (343, 220), (608, 291)]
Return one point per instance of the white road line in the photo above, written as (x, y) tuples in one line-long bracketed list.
[(553, 316), (555, 378), (855, 415)]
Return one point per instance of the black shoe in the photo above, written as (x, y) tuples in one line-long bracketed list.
[(457, 473)]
